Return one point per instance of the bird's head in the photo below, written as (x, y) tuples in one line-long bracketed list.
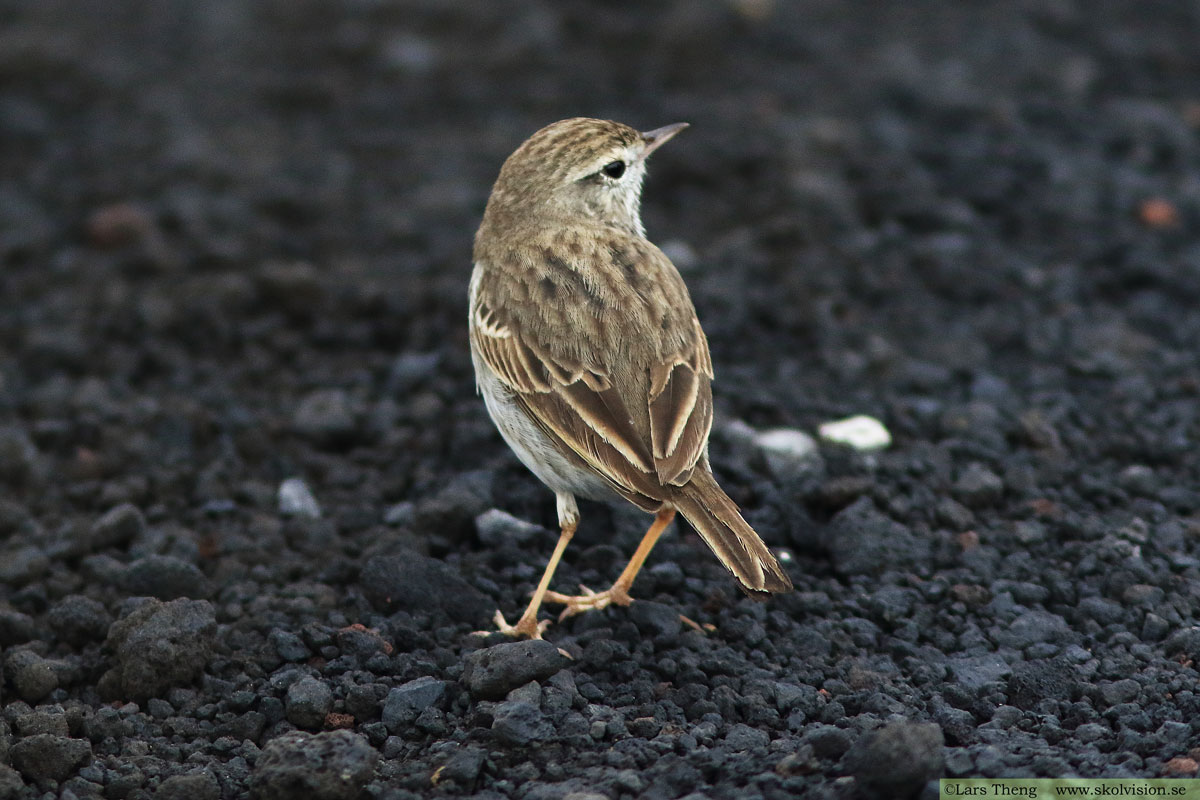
[(581, 170)]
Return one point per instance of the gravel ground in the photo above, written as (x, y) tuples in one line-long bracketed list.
[(251, 510)]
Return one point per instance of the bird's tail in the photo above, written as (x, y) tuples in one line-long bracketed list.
[(716, 518)]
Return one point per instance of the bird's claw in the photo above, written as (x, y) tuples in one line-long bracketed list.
[(588, 600), (526, 626)]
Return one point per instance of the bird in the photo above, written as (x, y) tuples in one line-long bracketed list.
[(590, 357)]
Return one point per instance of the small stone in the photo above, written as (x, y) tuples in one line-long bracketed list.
[(46, 719), (958, 726), (452, 510), (365, 700), (492, 673), (18, 456), (974, 672), (801, 762), (1154, 628), (326, 416), (789, 453), (464, 766), (157, 647), (308, 701), (859, 432), (668, 576), (77, 620), (410, 370), (1139, 479), (202, 785), (1178, 733), (14, 517), (861, 541), (1181, 767), (294, 286), (742, 738), (12, 787), (897, 759), (118, 224), (15, 627), (296, 499), (789, 696), (842, 490), (159, 709), (45, 757), (406, 702), (334, 765), (1034, 681), (401, 514), (363, 642), (971, 594), (335, 720), (22, 564), (517, 723), (119, 526), (31, 675), (1122, 691), (165, 577), (103, 568), (496, 527), (954, 515), (1030, 531), (892, 603), (1102, 610), (658, 621), (409, 581), (1185, 641), (1032, 627), (978, 486), (1038, 431), (1158, 212), (827, 741), (288, 645), (1142, 594)]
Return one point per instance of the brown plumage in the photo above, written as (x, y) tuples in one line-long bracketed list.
[(589, 354)]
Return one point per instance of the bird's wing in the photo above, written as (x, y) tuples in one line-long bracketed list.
[(561, 343), (681, 409)]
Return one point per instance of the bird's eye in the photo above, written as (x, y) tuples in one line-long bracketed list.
[(614, 169)]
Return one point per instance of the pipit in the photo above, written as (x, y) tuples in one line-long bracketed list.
[(589, 355)]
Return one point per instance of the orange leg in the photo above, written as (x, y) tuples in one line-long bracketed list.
[(528, 624), (618, 593)]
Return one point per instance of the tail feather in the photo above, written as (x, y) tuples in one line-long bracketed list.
[(716, 518)]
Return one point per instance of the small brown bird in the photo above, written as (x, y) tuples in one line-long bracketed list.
[(589, 355)]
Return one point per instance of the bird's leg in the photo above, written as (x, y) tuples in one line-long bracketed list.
[(528, 625), (618, 593)]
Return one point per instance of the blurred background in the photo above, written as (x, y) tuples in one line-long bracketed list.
[(222, 222), (235, 239)]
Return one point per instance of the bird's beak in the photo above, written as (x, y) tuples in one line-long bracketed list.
[(660, 136)]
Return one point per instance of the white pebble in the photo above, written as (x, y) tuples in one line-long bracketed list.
[(296, 499), (495, 526), (860, 432), (787, 442), (788, 452)]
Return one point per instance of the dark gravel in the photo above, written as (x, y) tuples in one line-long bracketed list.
[(325, 766), (251, 510), (492, 673)]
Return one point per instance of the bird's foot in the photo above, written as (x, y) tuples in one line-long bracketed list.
[(526, 626), (589, 600)]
